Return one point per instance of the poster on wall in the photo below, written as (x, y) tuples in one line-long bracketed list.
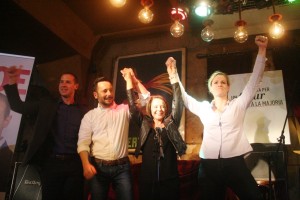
[(265, 118), (10, 120), (150, 68)]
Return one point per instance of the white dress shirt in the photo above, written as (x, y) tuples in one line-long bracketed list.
[(104, 132), (223, 135)]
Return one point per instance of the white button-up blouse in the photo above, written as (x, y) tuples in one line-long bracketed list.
[(223, 135)]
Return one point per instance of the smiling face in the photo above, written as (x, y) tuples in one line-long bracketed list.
[(104, 94), (157, 107), (67, 86)]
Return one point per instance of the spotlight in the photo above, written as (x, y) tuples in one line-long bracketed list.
[(203, 9)]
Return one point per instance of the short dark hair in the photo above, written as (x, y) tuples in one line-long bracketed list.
[(72, 74), (3, 98), (97, 80)]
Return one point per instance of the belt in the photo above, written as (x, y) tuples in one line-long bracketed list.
[(64, 156), (120, 161)]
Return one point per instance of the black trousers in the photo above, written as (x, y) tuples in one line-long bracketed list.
[(62, 179), (215, 175)]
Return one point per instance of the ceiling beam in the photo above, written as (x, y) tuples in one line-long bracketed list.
[(63, 22)]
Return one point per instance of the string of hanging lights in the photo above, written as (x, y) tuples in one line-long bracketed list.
[(204, 9)]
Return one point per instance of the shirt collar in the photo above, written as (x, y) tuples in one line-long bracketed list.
[(212, 104), (113, 106), (60, 101)]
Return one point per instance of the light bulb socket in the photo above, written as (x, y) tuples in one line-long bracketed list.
[(208, 22), (147, 3), (275, 17), (240, 23)]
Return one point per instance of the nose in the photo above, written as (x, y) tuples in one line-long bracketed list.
[(108, 93), (160, 108)]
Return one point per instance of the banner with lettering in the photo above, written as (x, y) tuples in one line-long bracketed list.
[(10, 121), (266, 115)]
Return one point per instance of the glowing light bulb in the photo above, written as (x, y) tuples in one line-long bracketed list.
[(118, 3), (276, 31), (207, 34), (203, 9), (177, 29), (241, 35), (145, 15)]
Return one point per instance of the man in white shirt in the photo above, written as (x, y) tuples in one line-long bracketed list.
[(103, 143)]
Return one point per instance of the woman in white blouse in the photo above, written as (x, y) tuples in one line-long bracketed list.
[(224, 142)]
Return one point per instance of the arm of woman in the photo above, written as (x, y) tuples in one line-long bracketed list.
[(135, 113), (189, 102), (257, 73), (177, 102)]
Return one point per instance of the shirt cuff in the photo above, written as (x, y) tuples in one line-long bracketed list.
[(143, 98), (174, 78)]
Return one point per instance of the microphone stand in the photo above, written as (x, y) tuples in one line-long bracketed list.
[(160, 152), (281, 142)]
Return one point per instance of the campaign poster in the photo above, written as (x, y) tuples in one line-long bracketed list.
[(265, 118), (10, 120)]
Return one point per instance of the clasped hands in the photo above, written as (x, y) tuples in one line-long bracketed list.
[(128, 73)]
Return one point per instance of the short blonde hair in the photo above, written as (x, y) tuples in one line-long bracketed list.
[(217, 73)]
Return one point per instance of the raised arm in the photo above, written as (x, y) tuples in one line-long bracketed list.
[(257, 73), (177, 102), (129, 77), (262, 43), (135, 82), (11, 91)]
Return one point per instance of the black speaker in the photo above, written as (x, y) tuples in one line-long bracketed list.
[(266, 159), (264, 156), (26, 183)]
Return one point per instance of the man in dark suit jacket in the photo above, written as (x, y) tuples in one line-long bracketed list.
[(54, 142), (5, 152)]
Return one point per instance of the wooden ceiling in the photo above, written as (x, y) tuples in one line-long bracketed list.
[(53, 29)]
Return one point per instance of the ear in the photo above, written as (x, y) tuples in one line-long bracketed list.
[(95, 95), (6, 121), (76, 86)]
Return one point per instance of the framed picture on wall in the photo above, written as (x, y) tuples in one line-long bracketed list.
[(151, 70)]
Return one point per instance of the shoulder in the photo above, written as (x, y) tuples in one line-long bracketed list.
[(121, 106)]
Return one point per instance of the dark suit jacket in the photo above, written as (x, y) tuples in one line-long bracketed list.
[(45, 111), (5, 166)]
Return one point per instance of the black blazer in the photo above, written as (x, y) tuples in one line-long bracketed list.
[(45, 111), (5, 166)]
